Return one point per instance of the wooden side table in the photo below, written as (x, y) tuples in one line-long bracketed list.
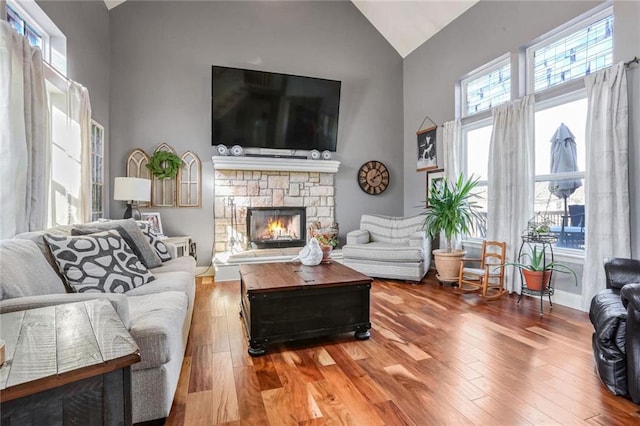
[(67, 364), (182, 243)]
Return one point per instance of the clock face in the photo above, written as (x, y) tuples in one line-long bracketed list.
[(373, 177)]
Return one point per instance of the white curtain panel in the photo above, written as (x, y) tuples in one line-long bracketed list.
[(25, 151), (83, 112), (452, 143), (608, 232), (511, 178)]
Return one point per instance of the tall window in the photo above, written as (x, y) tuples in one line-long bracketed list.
[(66, 197), (554, 65), (559, 190), (97, 171), (487, 87)]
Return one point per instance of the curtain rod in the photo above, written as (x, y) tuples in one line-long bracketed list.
[(635, 60)]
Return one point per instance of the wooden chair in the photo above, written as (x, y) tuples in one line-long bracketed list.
[(488, 278)]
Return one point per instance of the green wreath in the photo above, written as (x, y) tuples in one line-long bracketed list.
[(164, 164)]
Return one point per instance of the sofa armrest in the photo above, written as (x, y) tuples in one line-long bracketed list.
[(630, 295), (359, 236), (621, 271), (417, 239), (118, 301)]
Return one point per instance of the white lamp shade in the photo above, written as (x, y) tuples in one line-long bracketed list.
[(132, 189)]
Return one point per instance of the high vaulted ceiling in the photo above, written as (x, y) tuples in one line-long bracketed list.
[(406, 24)]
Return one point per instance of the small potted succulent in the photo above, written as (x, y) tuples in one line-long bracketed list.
[(536, 272)]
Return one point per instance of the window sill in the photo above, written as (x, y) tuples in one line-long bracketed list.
[(559, 253)]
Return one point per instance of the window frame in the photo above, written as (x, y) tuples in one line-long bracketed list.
[(54, 42), (579, 23), (97, 181), (487, 68)]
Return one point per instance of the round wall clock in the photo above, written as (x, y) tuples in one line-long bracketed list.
[(373, 177)]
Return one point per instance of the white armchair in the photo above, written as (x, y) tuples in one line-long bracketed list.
[(389, 247)]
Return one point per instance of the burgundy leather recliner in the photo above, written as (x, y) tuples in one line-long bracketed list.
[(615, 315)]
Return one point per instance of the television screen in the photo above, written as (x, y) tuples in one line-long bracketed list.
[(269, 110)]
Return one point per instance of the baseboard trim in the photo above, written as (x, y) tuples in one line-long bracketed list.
[(564, 298)]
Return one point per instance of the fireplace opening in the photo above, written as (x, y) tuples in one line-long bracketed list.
[(269, 227)]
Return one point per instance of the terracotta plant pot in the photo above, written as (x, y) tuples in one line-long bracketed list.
[(448, 264), (534, 279)]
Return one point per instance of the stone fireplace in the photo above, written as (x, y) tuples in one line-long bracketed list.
[(244, 184), (269, 227)]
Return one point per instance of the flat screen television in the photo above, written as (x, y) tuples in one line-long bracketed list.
[(257, 109)]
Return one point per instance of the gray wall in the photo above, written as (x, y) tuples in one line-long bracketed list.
[(86, 26), (161, 57)]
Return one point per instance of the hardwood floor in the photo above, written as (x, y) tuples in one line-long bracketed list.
[(434, 357)]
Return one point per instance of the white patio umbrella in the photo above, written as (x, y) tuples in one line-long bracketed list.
[(564, 159)]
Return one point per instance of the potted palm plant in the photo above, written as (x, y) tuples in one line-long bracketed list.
[(451, 210), (536, 272)]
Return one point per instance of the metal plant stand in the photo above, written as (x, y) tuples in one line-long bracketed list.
[(545, 241)]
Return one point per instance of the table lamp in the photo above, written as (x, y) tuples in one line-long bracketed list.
[(132, 190)]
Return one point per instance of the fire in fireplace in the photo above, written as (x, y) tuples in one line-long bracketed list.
[(269, 227)]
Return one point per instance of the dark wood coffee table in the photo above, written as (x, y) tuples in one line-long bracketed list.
[(289, 301)]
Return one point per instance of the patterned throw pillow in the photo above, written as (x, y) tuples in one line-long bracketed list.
[(156, 243), (102, 262), (131, 233)]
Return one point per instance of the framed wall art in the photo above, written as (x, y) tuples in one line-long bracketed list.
[(154, 220), (427, 158), (434, 177)]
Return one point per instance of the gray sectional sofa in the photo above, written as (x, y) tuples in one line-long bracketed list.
[(157, 314)]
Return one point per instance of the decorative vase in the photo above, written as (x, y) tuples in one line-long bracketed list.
[(534, 279), (326, 253), (448, 264)]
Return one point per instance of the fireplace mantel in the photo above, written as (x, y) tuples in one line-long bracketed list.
[(275, 164)]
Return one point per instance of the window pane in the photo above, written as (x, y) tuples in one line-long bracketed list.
[(34, 38), (581, 53), (566, 221), (488, 90), (480, 230), (15, 20), (556, 200), (477, 143), (547, 122), (477, 146)]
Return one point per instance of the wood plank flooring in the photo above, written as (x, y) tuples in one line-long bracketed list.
[(434, 357)]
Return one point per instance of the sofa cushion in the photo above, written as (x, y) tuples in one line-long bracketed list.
[(131, 233), (154, 240), (156, 326), (383, 252), (168, 281), (101, 262), (38, 238), (25, 271), (182, 263), (391, 229)]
